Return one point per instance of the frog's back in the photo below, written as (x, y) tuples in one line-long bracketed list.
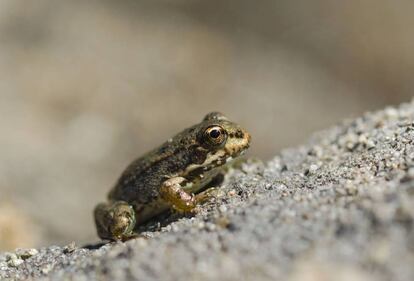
[(141, 180)]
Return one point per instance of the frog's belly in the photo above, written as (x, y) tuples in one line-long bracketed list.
[(145, 212)]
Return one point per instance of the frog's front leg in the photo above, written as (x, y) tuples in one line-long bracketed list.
[(172, 192), (115, 220)]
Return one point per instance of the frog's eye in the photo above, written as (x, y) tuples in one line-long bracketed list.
[(215, 135)]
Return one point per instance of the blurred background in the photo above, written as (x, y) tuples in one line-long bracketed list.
[(87, 86)]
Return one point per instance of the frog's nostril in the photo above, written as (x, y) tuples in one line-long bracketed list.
[(239, 134)]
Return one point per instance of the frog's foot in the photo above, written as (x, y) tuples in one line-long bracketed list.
[(115, 220), (207, 195), (172, 192)]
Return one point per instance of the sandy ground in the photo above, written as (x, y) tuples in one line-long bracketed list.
[(338, 207)]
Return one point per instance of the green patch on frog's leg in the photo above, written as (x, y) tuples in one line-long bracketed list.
[(115, 220), (172, 192)]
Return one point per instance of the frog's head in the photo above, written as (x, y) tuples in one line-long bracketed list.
[(222, 139), (212, 143)]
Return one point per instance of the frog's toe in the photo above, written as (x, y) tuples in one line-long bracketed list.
[(115, 221), (208, 195)]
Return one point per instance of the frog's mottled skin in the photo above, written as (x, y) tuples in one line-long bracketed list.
[(168, 176)]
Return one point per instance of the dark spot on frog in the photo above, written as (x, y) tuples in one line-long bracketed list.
[(198, 156), (196, 173), (239, 134)]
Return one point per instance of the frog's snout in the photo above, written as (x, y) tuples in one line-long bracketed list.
[(245, 142), (238, 142), (248, 139)]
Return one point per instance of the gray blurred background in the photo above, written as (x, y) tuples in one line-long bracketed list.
[(87, 86)]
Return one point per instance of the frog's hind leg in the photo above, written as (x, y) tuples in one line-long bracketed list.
[(115, 220)]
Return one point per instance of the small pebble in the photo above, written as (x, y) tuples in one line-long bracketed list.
[(410, 173), (69, 248), (391, 113), (26, 253), (13, 260), (313, 168), (223, 208)]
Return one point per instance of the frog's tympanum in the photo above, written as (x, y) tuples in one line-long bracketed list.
[(171, 176)]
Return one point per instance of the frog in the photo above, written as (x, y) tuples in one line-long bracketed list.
[(173, 176)]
